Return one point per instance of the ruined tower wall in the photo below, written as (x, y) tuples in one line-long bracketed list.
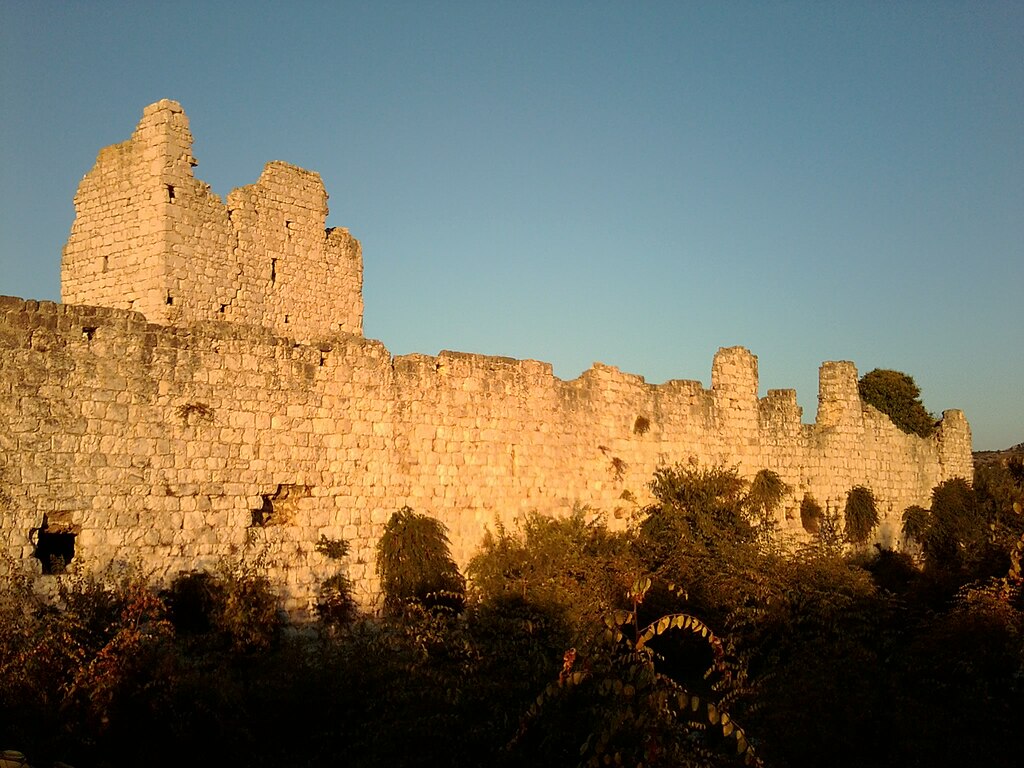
[(149, 236)]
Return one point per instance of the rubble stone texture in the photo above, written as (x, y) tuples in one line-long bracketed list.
[(205, 393)]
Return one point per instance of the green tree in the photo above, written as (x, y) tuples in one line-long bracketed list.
[(767, 490), (568, 564), (860, 513), (701, 509), (415, 565), (915, 523), (897, 396)]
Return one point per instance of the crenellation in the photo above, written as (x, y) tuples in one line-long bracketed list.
[(205, 392)]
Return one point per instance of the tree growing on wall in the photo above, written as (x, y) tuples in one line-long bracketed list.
[(861, 514), (897, 396)]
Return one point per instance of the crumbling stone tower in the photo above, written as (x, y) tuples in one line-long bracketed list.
[(149, 236)]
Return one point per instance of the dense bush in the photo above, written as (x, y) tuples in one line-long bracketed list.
[(235, 606), (572, 567), (860, 515), (897, 396), (415, 565), (70, 670)]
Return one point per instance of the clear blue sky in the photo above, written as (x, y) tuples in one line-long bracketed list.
[(637, 182)]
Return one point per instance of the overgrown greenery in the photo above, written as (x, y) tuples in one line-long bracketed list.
[(415, 565), (897, 396), (860, 515), (687, 639)]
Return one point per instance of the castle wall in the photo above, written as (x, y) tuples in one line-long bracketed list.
[(178, 447)]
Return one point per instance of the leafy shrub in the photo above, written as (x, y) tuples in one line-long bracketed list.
[(68, 668), (698, 535), (563, 566), (335, 549), (860, 514), (894, 572), (829, 540), (897, 396), (915, 523), (335, 605), (700, 508), (767, 490), (235, 606), (612, 704), (415, 565)]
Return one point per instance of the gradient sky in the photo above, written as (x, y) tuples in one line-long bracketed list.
[(638, 183)]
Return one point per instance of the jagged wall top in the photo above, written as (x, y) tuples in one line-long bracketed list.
[(151, 237)]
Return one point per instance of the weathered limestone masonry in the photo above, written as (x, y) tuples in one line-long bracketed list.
[(218, 399), (150, 236)]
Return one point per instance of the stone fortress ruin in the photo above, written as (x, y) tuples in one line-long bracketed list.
[(205, 392)]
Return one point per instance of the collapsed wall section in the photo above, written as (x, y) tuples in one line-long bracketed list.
[(150, 237)]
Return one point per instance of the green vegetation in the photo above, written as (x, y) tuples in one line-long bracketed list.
[(897, 396), (415, 564), (688, 639), (860, 515)]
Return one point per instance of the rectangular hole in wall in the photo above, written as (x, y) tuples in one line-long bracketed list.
[(103, 264), (54, 546), (288, 230), (170, 193), (88, 332), (273, 270), (223, 308), (170, 299), (286, 319)]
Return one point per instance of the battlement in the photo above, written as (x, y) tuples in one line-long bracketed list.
[(149, 236)]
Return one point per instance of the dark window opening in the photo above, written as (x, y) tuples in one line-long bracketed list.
[(170, 299), (288, 230), (323, 359), (103, 265), (170, 193), (55, 547), (223, 308), (273, 270), (88, 332), (286, 319)]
